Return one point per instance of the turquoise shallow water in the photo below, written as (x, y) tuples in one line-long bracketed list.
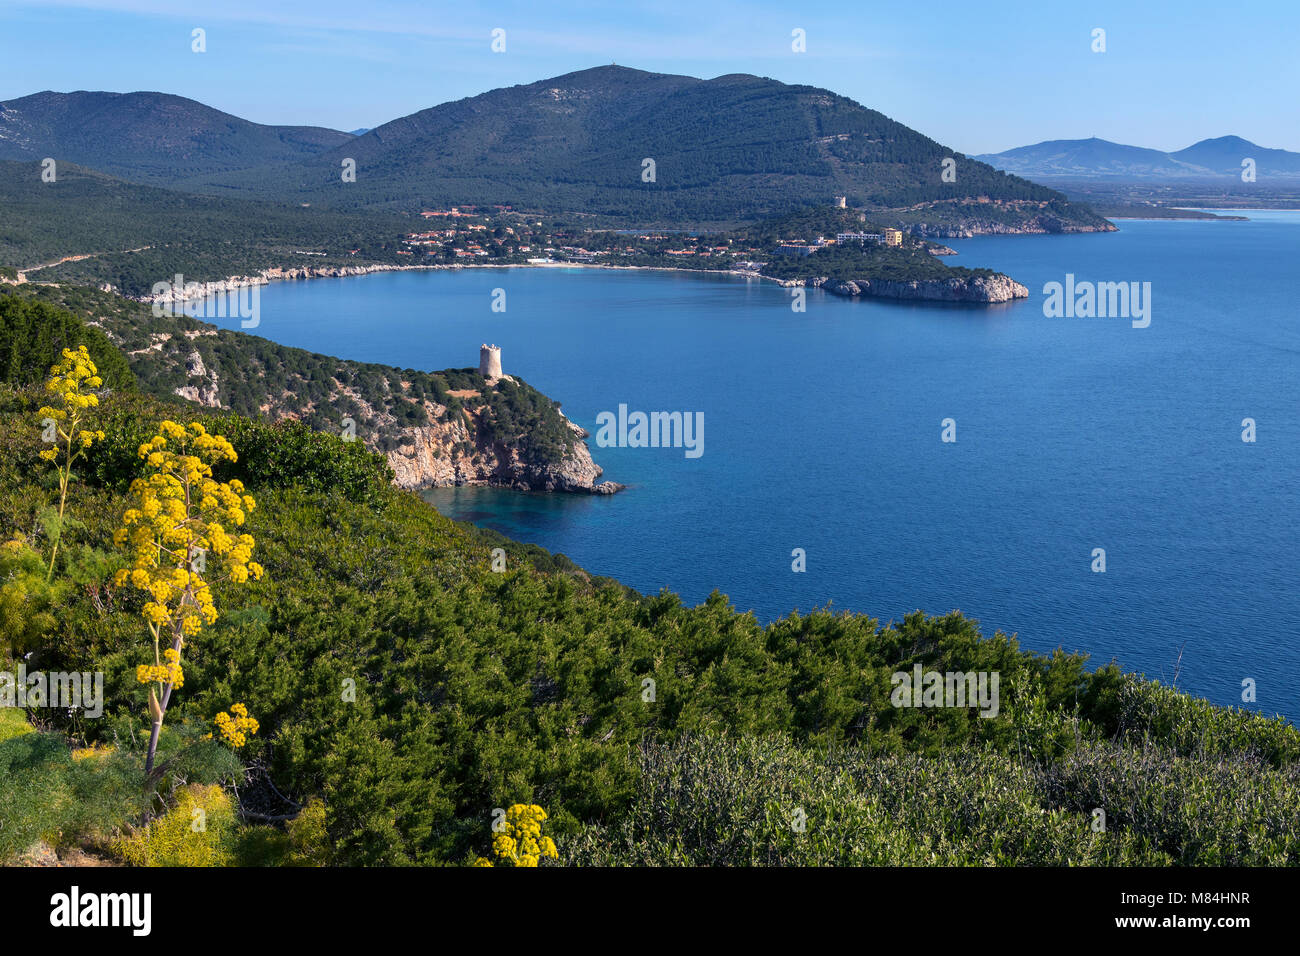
[(822, 432)]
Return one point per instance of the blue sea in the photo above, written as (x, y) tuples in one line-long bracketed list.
[(823, 432)]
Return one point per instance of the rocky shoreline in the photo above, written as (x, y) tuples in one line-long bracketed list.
[(999, 288), (926, 230), (267, 276), (196, 290), (979, 289)]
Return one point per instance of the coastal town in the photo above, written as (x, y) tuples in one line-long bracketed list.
[(831, 247), (470, 234), (498, 233)]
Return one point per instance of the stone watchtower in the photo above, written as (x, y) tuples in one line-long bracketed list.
[(489, 361)]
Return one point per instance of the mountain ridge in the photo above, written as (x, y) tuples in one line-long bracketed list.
[(1096, 158), (608, 141), (149, 137)]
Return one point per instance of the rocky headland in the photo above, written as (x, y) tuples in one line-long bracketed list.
[(978, 288), (436, 429), (984, 289)]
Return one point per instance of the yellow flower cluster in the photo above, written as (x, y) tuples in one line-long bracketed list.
[(70, 383), (235, 730), (169, 673), (178, 513), (520, 841)]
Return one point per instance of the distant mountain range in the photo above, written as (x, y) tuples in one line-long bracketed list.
[(1063, 159), (609, 141), (153, 138)]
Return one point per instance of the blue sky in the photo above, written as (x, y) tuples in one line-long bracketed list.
[(979, 77)]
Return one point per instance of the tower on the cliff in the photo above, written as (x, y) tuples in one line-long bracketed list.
[(489, 361)]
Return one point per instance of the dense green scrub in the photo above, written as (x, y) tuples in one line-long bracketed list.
[(412, 689), (713, 800)]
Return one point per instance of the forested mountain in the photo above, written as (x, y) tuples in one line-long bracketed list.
[(153, 138), (1085, 157), (737, 147), (607, 142), (1223, 155)]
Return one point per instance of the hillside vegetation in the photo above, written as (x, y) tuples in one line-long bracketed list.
[(174, 356), (650, 731)]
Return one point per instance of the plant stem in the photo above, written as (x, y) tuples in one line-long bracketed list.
[(177, 640), (153, 746), (65, 477)]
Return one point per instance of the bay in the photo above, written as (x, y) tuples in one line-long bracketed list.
[(823, 432)]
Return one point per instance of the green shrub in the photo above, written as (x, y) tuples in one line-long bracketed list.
[(33, 336), (47, 795), (1134, 710), (308, 836), (707, 801), (1203, 810), (200, 830)]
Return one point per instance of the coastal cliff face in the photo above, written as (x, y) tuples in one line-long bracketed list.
[(446, 452), (995, 288), (435, 456)]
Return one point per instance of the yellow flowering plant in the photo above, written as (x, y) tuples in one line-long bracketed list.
[(71, 387), (179, 515), (236, 727), (520, 842)]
